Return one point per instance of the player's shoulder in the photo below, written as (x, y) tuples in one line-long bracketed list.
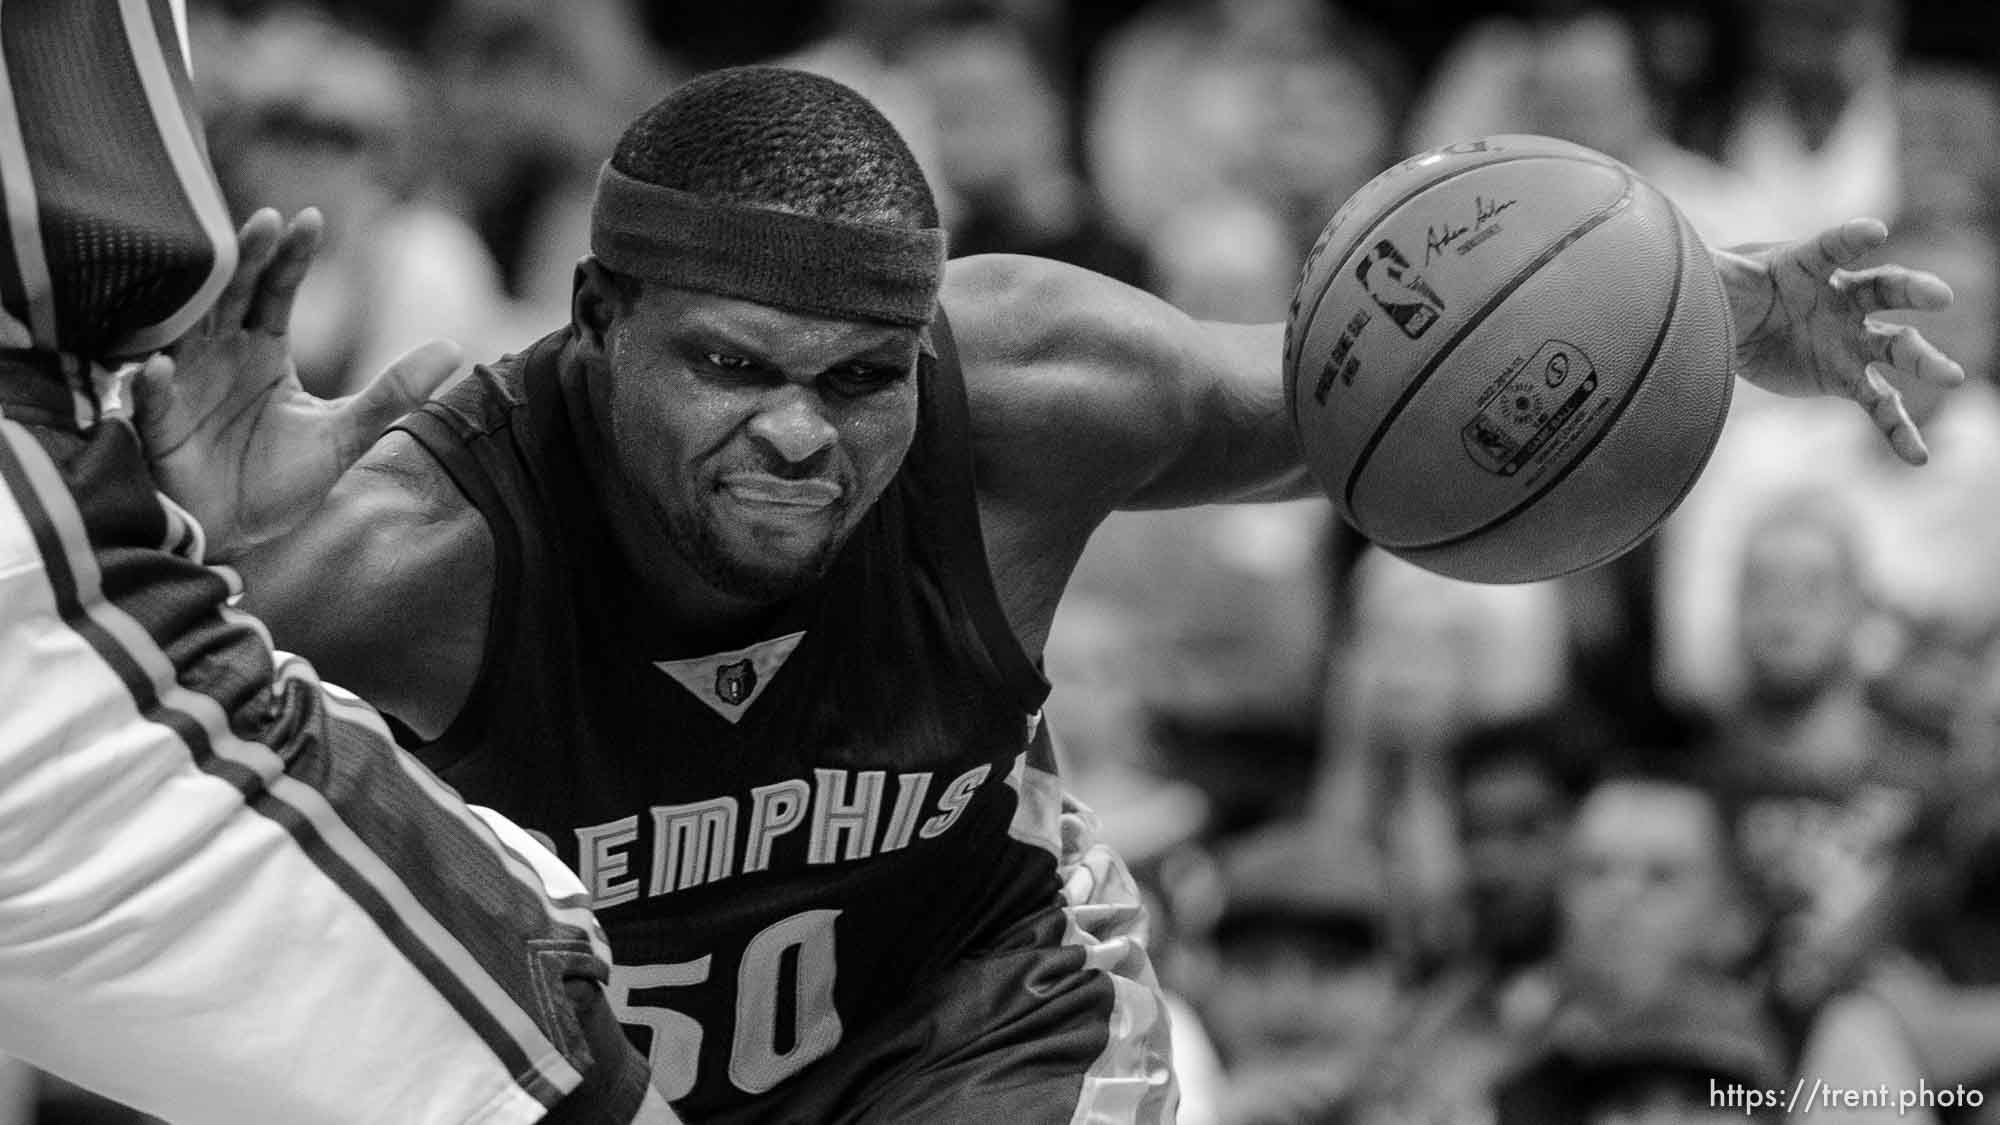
[(1053, 352), (1012, 311), (399, 525), (403, 566), (403, 481), (978, 283), (386, 587)]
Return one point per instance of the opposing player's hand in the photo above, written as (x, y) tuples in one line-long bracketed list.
[(1804, 324), (231, 434)]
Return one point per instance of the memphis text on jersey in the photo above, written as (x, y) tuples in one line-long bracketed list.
[(839, 815)]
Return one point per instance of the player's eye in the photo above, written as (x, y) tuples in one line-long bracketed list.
[(727, 362), (861, 378)]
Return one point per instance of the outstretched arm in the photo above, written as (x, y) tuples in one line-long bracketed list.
[(1090, 396)]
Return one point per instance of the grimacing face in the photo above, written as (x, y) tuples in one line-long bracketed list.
[(756, 437)]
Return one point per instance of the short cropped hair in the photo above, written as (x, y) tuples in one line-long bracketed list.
[(768, 136)]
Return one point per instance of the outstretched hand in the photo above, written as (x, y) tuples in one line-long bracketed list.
[(231, 434), (1804, 325)]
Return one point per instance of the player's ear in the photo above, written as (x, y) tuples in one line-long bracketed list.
[(595, 298)]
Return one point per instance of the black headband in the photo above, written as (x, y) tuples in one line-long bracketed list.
[(856, 271)]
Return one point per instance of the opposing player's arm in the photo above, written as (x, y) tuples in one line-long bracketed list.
[(1805, 324), (1091, 396), (385, 588)]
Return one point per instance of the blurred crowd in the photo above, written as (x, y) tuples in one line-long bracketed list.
[(1716, 817)]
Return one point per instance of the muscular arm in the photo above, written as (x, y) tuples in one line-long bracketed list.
[(1089, 396), (1093, 396), (386, 588)]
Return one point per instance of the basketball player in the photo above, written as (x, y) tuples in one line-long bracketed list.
[(735, 588), (224, 895)]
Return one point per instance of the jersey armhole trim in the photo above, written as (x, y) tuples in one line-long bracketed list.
[(963, 544), (442, 441)]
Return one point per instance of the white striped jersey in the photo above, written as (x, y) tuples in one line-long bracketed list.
[(224, 895)]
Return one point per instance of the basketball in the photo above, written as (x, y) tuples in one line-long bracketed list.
[(1508, 359)]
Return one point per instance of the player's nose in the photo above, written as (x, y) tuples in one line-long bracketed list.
[(791, 426)]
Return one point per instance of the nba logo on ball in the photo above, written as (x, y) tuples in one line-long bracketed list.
[(1401, 292), (1551, 416)]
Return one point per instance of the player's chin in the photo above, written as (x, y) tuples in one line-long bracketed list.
[(773, 566)]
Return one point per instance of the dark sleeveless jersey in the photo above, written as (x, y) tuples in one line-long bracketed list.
[(786, 840)]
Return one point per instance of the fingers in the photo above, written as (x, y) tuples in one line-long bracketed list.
[(152, 388), (270, 308), (1885, 406), (395, 392), (255, 245), (1843, 245), (1904, 349), (1894, 287)]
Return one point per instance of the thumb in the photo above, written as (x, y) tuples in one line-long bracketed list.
[(400, 388)]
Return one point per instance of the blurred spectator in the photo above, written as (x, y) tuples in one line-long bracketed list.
[(311, 114), (1424, 658), (1662, 1062), (1691, 56), (1930, 543), (1868, 1044), (1474, 1016), (1519, 783), (1586, 82), (1581, 75), (1844, 849), (1654, 894), (1939, 1011), (1290, 104), (1004, 149), (1846, 833), (863, 45), (1802, 605), (1974, 739), (1950, 126), (1225, 258), (532, 97), (1305, 992), (1816, 133), (1937, 535), (1938, 1008), (1200, 638)]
